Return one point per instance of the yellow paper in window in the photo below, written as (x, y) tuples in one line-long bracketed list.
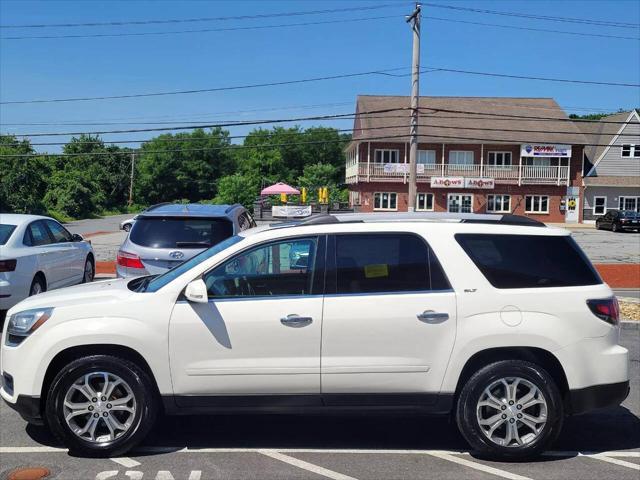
[(376, 270)]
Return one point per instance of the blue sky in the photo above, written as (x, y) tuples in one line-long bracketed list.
[(72, 67)]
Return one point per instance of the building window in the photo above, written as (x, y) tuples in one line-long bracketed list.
[(500, 159), (629, 203), (425, 202), (386, 156), (427, 157), (460, 157), (385, 201), (599, 205), (631, 150), (499, 203), (536, 204)]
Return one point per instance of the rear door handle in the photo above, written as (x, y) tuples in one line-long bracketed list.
[(295, 321), (429, 316)]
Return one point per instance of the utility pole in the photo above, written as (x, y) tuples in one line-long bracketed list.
[(133, 167), (414, 20)]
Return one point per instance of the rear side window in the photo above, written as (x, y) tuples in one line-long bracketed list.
[(529, 261), (370, 263), (5, 232), (167, 232)]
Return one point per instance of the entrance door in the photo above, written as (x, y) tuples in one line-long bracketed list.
[(573, 206), (259, 334), (459, 203)]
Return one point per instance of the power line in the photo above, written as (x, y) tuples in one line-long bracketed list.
[(585, 21), (317, 79), (204, 19), (204, 30), (206, 90)]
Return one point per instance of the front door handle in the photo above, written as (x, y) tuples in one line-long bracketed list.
[(429, 316), (295, 321)]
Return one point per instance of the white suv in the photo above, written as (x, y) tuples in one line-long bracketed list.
[(495, 320)]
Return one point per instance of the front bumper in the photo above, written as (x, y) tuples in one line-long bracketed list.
[(598, 396), (28, 408)]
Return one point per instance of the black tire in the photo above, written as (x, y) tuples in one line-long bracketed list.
[(467, 417), (89, 262), (598, 226), (143, 391), (38, 282)]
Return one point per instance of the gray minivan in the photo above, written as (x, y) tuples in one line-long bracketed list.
[(169, 234)]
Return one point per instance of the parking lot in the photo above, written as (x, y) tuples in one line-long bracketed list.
[(601, 445)]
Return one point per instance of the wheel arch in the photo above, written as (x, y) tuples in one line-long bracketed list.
[(68, 355), (40, 274), (539, 356)]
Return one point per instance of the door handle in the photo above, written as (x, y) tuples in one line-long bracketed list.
[(429, 316), (295, 321)]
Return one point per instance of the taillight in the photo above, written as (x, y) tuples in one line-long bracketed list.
[(606, 309), (8, 265), (129, 260)]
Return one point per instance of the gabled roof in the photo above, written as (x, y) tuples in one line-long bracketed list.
[(495, 114), (604, 134)]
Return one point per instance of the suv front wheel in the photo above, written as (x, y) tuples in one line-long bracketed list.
[(101, 405), (510, 410)]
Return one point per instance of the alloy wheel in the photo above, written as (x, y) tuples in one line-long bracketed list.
[(36, 288), (88, 271), (99, 407), (512, 412)]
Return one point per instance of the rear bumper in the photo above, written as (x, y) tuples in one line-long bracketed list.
[(28, 408), (598, 396)]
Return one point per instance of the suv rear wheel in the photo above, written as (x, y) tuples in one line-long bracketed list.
[(101, 405), (510, 409)]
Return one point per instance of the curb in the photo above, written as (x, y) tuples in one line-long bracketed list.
[(108, 268), (95, 234)]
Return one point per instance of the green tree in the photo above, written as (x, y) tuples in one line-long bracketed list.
[(73, 193), (22, 178), (184, 165), (237, 188)]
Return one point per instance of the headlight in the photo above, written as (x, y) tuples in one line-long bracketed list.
[(23, 324)]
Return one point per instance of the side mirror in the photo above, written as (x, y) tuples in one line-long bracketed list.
[(76, 237), (196, 292)]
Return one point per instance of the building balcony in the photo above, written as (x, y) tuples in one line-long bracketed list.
[(511, 174)]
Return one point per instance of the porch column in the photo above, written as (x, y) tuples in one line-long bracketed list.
[(520, 171), (442, 166), (368, 161), (404, 174), (481, 159)]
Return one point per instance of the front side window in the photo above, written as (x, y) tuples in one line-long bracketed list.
[(385, 201), (368, 263), (599, 205), (498, 203), (500, 159), (37, 235), (275, 269), (425, 202), (528, 261), (59, 233), (386, 156), (536, 204)]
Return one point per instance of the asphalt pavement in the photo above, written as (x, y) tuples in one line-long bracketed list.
[(92, 225), (604, 444)]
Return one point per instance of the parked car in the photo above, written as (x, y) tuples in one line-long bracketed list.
[(39, 254), (619, 221), (128, 223), (499, 322), (169, 234)]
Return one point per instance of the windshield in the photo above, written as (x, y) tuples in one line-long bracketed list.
[(5, 232), (175, 232), (156, 283), (629, 214)]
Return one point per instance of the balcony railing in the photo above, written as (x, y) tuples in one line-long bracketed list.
[(509, 174)]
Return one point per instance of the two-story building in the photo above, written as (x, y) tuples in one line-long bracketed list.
[(611, 164), (475, 154)]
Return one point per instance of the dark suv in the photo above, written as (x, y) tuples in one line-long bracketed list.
[(619, 220), (169, 234)]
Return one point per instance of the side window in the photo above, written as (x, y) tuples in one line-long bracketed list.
[(37, 235), (281, 268), (369, 263), (58, 232)]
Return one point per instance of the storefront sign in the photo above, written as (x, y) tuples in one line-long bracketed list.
[(545, 150), (447, 182), (291, 210), (487, 183)]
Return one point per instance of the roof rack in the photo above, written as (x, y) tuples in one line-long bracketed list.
[(506, 219)]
